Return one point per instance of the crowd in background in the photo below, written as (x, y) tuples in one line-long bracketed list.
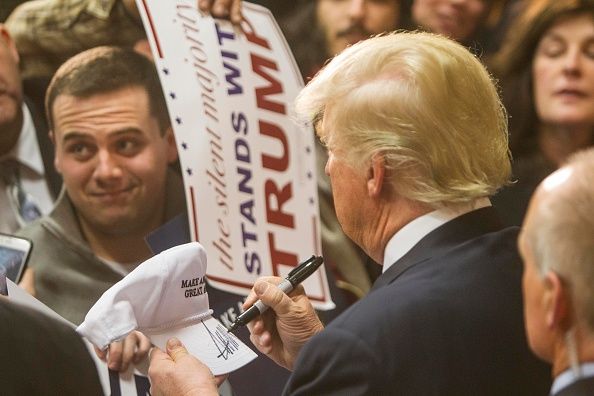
[(506, 34), (541, 52)]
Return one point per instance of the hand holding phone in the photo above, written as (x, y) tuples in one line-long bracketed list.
[(14, 253)]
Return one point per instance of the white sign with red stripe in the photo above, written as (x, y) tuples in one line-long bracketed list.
[(249, 169)]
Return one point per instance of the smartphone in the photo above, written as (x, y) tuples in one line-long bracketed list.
[(14, 253)]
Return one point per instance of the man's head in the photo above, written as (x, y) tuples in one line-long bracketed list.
[(417, 108), (345, 22), (113, 139), (457, 19), (557, 246), (11, 94)]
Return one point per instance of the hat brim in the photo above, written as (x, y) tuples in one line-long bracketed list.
[(210, 342)]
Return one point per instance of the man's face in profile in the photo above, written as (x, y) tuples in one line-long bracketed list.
[(11, 95), (534, 310), (349, 185), (346, 22), (113, 158), (536, 288)]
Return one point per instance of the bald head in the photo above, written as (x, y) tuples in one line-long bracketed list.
[(559, 230), (557, 247)]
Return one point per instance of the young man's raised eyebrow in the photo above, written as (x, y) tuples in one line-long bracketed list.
[(81, 135), (125, 131), (74, 135)]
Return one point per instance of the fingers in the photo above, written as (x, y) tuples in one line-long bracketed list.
[(160, 366), (100, 354), (204, 5), (133, 348), (179, 373), (235, 12), (220, 8), (219, 379), (128, 349), (274, 297), (259, 335), (143, 347), (256, 326), (230, 9), (28, 281), (180, 357), (176, 349), (119, 355), (262, 341), (253, 297), (157, 356), (114, 355)]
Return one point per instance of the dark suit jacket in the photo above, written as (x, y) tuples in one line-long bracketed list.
[(446, 319), (581, 387), (41, 356), (52, 177)]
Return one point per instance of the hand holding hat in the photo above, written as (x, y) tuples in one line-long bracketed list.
[(166, 297), (175, 372)]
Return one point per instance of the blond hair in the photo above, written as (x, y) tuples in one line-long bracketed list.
[(424, 103)]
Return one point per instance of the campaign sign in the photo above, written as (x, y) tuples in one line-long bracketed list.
[(248, 167)]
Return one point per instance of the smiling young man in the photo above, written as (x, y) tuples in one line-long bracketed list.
[(113, 146)]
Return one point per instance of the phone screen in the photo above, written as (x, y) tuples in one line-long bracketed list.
[(14, 253)]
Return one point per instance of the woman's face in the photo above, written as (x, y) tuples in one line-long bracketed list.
[(563, 73)]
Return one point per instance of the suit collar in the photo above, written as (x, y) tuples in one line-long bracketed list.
[(452, 233), (409, 235)]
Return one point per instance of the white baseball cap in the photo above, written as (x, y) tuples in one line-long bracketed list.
[(166, 297)]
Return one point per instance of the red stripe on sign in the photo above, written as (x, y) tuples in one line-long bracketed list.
[(230, 282), (315, 234), (152, 25), (320, 278), (194, 214)]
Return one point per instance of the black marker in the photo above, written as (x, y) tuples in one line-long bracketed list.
[(295, 277)]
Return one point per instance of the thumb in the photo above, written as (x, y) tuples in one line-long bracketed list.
[(272, 296), (176, 349)]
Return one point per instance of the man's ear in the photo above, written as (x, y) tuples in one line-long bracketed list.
[(376, 175), (5, 36), (171, 146), (557, 302)]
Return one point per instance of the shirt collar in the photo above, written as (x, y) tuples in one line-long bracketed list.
[(568, 377), (408, 236), (26, 150)]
